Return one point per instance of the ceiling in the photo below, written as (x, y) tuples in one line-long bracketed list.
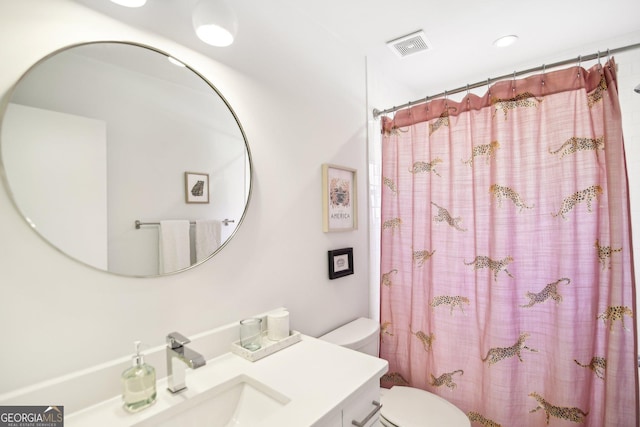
[(285, 40)]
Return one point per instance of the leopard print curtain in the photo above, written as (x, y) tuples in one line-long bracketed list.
[(507, 283)]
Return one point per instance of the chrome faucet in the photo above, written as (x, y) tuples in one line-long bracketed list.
[(178, 358)]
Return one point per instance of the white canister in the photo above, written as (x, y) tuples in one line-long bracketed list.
[(278, 325)]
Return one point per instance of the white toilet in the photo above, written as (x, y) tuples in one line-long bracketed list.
[(401, 406)]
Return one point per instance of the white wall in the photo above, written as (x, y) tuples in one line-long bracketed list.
[(58, 316)]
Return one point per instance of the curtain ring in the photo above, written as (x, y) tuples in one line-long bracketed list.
[(489, 86), (544, 70), (513, 82), (579, 64), (394, 110), (608, 59), (468, 93), (599, 64), (426, 102)]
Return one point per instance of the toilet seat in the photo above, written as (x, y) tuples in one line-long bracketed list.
[(412, 407)]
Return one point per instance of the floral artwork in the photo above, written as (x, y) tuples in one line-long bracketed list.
[(339, 198), (339, 193)]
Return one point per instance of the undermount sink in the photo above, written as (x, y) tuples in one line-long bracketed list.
[(241, 401)]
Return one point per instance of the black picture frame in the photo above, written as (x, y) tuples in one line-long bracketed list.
[(340, 263)]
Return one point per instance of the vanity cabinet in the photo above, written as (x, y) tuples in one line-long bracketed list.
[(358, 407), (332, 419)]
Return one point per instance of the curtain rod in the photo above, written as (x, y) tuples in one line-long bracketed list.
[(377, 113), (139, 223)]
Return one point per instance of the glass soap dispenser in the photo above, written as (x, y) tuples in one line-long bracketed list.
[(138, 383)]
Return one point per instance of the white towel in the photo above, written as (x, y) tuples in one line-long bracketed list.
[(207, 238), (174, 249)]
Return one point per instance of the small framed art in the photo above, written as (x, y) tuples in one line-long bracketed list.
[(196, 187), (340, 263), (339, 198)]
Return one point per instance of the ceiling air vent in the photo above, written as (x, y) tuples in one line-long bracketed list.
[(409, 44)]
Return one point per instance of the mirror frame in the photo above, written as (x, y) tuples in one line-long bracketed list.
[(6, 100)]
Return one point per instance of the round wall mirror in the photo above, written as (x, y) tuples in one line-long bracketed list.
[(125, 159)]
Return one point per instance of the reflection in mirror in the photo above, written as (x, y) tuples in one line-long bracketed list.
[(100, 135)]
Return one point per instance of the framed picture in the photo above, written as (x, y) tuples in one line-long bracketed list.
[(339, 198), (340, 263), (196, 187)]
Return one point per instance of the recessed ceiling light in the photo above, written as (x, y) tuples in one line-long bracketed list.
[(130, 3), (505, 41)]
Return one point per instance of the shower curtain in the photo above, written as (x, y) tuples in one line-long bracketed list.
[(506, 267)]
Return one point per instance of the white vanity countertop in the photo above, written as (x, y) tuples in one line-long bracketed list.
[(317, 376)]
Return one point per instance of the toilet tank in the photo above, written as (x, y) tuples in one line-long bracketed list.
[(361, 335)]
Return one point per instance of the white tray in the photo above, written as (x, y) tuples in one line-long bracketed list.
[(268, 347)]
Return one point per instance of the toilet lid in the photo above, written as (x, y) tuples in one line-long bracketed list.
[(412, 407)]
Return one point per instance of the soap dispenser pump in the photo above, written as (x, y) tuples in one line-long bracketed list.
[(138, 383)]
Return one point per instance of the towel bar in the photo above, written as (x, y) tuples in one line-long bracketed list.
[(138, 223)]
